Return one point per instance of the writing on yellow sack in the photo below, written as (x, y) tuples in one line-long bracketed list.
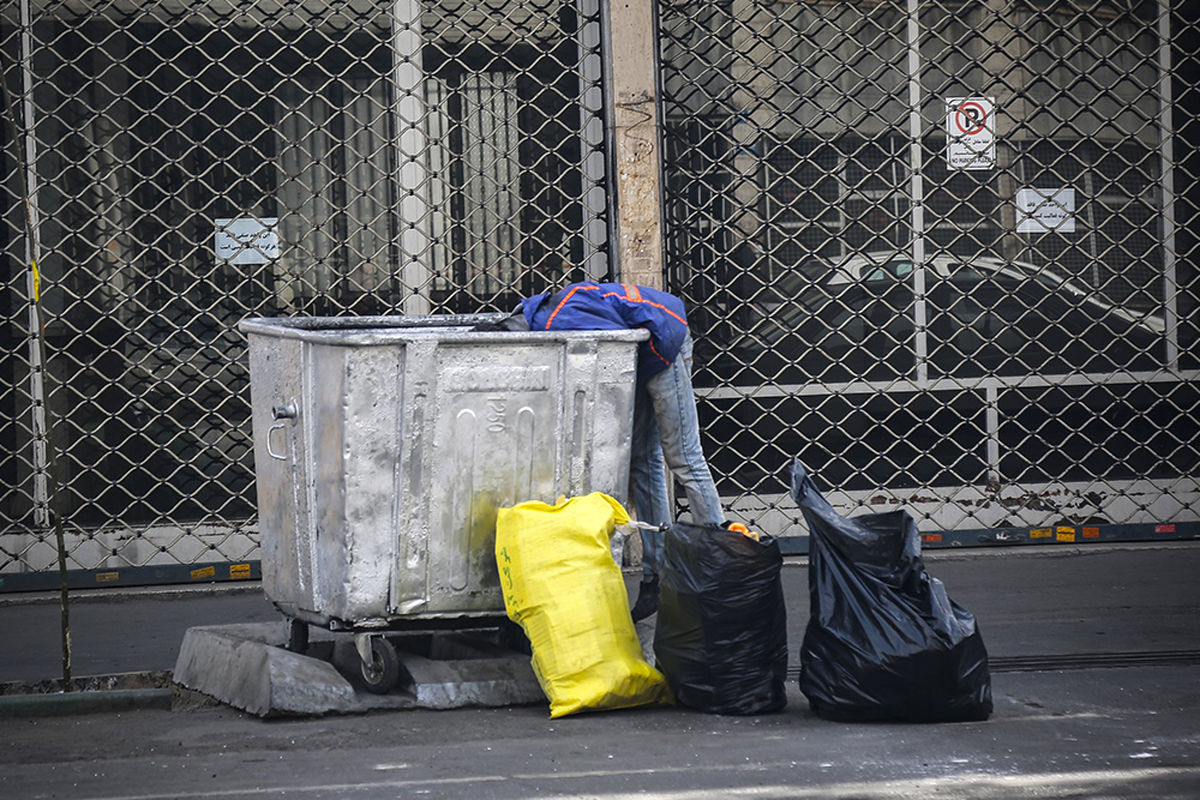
[(562, 586)]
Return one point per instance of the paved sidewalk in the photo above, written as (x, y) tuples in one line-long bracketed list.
[(1095, 674)]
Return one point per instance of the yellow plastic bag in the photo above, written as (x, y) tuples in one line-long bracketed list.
[(562, 586)]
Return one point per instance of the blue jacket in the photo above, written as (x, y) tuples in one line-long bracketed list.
[(615, 306)]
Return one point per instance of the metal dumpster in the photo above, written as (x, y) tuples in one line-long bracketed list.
[(384, 445)]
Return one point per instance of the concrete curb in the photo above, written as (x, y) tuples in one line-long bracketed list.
[(166, 592), (115, 692), (85, 702)]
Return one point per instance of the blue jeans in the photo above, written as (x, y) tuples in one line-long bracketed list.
[(666, 431)]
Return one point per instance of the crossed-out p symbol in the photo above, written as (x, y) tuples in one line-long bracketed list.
[(970, 118)]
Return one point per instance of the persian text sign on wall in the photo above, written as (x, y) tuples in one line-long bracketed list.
[(1045, 211), (246, 240)]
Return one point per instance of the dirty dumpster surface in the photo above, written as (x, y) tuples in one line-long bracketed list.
[(384, 445)]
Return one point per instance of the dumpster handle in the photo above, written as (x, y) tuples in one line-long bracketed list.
[(285, 411), (282, 456)]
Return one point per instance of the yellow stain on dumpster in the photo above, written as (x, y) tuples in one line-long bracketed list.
[(107, 577), (203, 572), (239, 571)]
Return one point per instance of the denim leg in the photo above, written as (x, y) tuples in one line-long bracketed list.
[(679, 434), (648, 480)]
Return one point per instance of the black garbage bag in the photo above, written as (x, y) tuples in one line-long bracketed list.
[(884, 640), (721, 633), (514, 321)]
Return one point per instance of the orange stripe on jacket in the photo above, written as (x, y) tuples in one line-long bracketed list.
[(631, 294), (563, 302), (660, 355), (639, 299)]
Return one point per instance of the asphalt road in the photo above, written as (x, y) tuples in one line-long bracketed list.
[(1119, 733), (1028, 601), (1061, 728)]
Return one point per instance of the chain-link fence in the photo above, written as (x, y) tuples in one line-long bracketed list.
[(188, 164), (942, 251), (945, 252)]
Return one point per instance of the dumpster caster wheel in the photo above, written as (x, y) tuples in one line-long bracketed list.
[(381, 671), (297, 636)]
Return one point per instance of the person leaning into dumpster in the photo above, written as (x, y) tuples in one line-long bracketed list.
[(665, 425)]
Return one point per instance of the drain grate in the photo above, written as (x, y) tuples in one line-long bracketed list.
[(1075, 661), (1047, 663)]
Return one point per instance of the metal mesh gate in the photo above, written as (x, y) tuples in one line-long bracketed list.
[(945, 252), (189, 164)]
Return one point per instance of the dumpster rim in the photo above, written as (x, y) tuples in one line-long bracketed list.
[(387, 330)]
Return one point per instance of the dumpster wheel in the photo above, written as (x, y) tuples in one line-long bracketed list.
[(379, 665)]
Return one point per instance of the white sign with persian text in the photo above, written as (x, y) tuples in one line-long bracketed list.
[(246, 240), (1045, 211)]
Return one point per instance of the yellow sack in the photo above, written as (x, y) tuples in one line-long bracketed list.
[(562, 586)]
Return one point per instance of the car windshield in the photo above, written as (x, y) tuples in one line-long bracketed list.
[(897, 269), (889, 271)]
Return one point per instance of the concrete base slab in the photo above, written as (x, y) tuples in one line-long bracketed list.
[(455, 670), (247, 666)]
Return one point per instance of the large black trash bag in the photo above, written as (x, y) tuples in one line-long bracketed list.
[(884, 640), (721, 633)]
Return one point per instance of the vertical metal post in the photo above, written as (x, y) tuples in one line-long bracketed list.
[(918, 192), (46, 510), (591, 127), (750, 167), (1089, 192), (992, 425), (1166, 134), (636, 137), (33, 257), (412, 173)]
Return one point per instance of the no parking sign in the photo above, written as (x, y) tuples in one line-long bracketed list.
[(970, 132)]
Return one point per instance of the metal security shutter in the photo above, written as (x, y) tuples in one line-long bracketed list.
[(191, 164), (944, 252)]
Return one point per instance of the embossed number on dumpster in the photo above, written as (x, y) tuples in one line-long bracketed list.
[(495, 414)]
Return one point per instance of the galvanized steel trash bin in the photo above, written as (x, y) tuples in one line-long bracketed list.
[(384, 445)]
